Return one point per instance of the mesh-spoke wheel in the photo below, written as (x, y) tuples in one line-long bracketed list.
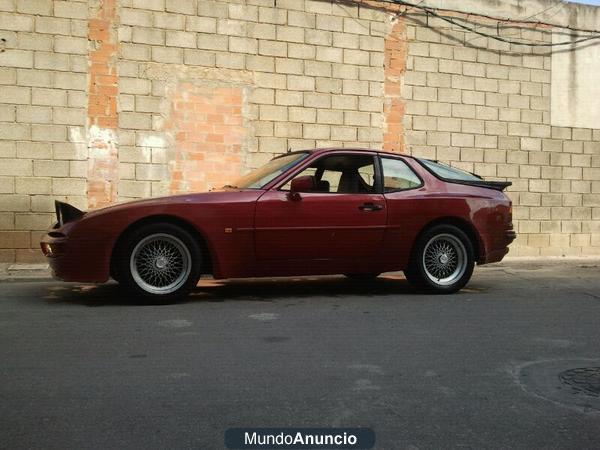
[(444, 259), (160, 263)]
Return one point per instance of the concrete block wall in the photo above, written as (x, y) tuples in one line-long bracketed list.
[(104, 101), (43, 99), (484, 106)]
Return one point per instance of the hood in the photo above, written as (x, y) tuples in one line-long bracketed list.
[(215, 196)]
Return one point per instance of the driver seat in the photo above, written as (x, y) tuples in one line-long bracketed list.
[(351, 183)]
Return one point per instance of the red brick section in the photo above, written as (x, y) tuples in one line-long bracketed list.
[(394, 106), (102, 105), (207, 124)]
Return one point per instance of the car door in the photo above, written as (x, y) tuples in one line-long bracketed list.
[(342, 220), (404, 193)]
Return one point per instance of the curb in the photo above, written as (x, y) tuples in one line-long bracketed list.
[(16, 271), (550, 259)]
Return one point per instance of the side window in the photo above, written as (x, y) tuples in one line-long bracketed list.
[(367, 173), (341, 174), (397, 175)]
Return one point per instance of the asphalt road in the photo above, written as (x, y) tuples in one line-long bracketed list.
[(83, 367)]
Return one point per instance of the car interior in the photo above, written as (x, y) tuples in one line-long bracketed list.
[(342, 174)]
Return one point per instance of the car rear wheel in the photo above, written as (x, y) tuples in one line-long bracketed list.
[(442, 261), (159, 262)]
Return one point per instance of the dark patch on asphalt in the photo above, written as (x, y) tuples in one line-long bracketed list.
[(275, 339), (585, 380), (596, 296), (472, 290), (572, 383)]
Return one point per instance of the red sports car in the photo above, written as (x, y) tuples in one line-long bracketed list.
[(325, 211)]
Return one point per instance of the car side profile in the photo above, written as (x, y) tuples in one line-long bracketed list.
[(326, 211)]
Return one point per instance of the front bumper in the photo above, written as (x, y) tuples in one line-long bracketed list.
[(75, 260)]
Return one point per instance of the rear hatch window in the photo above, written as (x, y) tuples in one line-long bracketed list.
[(447, 172), (453, 175)]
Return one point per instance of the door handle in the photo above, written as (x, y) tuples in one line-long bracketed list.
[(370, 207)]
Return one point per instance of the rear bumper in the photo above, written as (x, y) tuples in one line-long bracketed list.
[(510, 236), (495, 256), (499, 247)]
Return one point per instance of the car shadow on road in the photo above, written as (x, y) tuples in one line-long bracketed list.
[(270, 289), (256, 289)]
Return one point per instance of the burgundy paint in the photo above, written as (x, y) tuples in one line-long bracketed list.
[(270, 233)]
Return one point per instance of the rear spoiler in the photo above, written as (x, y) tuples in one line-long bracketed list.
[(497, 185), (66, 213)]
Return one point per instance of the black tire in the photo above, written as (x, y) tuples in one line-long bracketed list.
[(362, 276), (452, 242), (179, 248)]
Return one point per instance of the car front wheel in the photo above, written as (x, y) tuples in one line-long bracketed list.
[(442, 261), (159, 262)]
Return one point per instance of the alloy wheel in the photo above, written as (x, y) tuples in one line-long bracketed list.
[(444, 259), (160, 263)]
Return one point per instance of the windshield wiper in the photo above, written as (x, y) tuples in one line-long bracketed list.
[(229, 186)]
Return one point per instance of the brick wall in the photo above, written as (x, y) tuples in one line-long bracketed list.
[(208, 126), (102, 113), (104, 101)]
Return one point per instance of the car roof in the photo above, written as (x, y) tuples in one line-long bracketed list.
[(350, 150)]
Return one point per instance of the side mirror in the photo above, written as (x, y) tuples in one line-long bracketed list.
[(303, 184)]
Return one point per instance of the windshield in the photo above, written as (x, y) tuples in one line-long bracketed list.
[(259, 178), (447, 172)]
